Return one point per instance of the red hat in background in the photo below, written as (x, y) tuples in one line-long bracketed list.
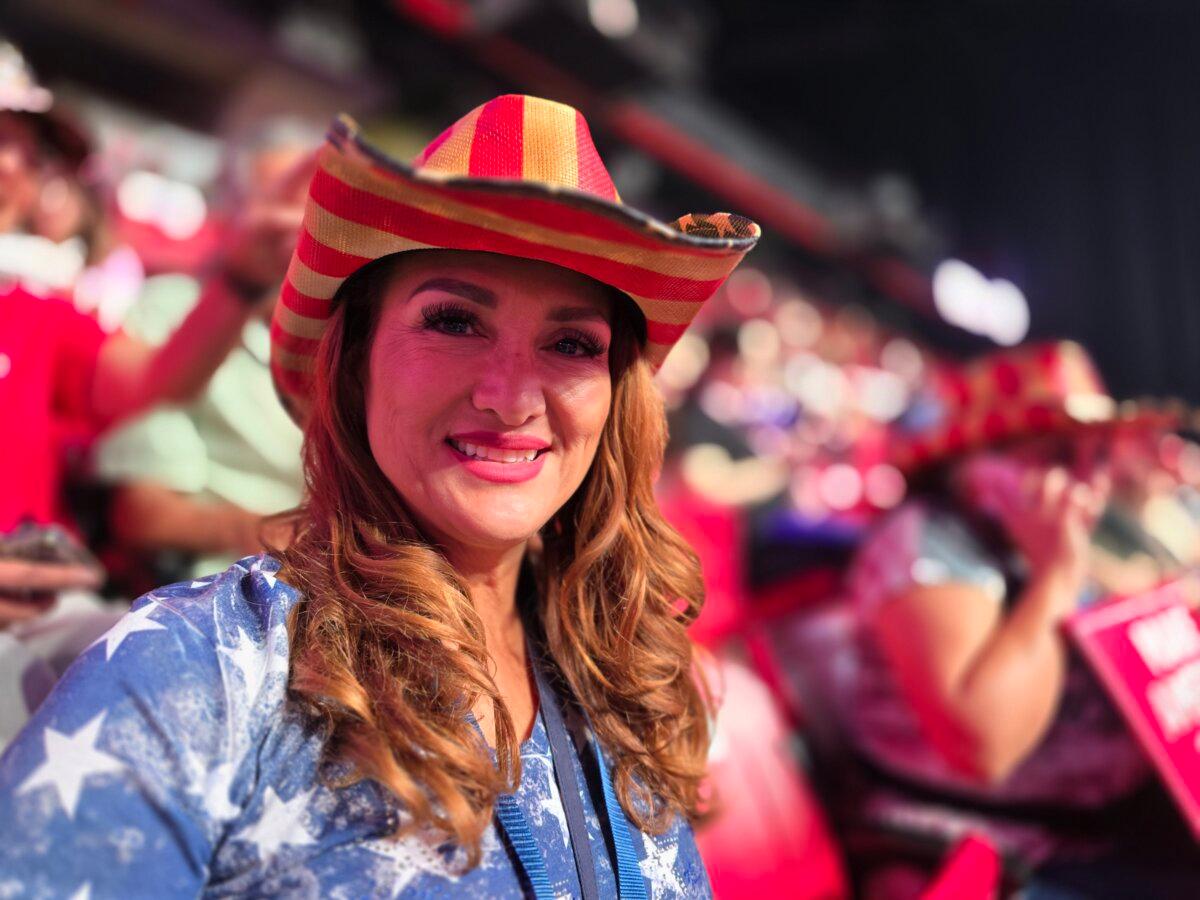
[(1036, 389)]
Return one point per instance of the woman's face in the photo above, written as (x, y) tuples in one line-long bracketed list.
[(487, 392), (993, 478)]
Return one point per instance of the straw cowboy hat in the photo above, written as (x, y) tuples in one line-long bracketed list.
[(517, 176), (1050, 388)]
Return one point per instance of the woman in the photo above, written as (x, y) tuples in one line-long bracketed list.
[(967, 696), (468, 672)]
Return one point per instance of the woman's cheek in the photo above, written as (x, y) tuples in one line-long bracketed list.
[(586, 402)]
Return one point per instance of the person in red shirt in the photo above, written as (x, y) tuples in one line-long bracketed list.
[(57, 364)]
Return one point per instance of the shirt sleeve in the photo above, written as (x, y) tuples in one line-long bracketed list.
[(122, 782), (162, 446), (79, 338), (920, 545)]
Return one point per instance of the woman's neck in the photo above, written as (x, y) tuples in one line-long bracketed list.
[(491, 580)]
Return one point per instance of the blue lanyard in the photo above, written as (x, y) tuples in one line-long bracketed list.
[(630, 883)]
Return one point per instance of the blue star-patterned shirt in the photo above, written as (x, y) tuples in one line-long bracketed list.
[(169, 761)]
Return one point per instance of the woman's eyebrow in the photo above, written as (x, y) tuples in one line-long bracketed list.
[(465, 289)]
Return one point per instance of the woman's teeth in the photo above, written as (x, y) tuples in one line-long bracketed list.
[(493, 454)]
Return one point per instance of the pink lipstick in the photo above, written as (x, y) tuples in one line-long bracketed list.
[(502, 458)]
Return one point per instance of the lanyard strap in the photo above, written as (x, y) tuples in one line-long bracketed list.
[(568, 787), (630, 883), (520, 835)]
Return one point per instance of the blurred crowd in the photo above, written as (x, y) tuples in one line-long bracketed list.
[(891, 538)]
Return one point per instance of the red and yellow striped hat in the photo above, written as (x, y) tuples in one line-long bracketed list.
[(518, 176)]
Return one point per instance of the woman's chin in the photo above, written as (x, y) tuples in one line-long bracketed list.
[(483, 527)]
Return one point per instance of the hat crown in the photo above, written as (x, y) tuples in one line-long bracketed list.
[(1028, 390), (520, 138), (1049, 372)]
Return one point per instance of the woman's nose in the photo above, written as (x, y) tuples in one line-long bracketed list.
[(509, 385)]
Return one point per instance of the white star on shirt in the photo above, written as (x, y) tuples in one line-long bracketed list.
[(412, 856), (211, 783), (281, 823), (248, 657), (84, 892), (552, 804), (269, 576), (216, 793), (128, 624), (658, 868), (70, 758)]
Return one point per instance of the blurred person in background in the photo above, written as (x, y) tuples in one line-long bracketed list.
[(194, 482), (58, 366), (469, 671), (966, 690)]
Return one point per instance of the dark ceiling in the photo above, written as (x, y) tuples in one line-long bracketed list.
[(1057, 144)]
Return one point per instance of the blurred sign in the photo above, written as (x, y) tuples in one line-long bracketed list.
[(1146, 651)]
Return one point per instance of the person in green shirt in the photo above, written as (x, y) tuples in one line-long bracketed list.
[(196, 480)]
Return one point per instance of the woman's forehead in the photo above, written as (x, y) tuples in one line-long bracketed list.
[(490, 279)]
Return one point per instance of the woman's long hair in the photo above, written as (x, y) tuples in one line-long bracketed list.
[(389, 652)]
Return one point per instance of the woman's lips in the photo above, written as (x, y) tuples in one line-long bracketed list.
[(500, 440), (507, 465), (495, 454)]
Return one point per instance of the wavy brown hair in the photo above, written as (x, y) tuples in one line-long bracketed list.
[(389, 652)]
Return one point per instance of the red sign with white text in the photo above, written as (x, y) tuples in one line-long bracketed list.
[(1146, 651)]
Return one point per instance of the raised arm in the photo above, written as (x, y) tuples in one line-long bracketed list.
[(985, 686), (150, 516), (131, 376), (984, 681)]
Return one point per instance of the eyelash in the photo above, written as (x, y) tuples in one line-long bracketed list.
[(437, 316)]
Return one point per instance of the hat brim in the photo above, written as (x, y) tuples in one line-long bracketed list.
[(364, 205), (952, 442)]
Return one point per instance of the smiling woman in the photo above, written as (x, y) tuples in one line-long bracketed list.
[(496, 376), (468, 671), (481, 353)]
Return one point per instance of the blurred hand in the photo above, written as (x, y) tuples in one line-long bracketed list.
[(1051, 520), (29, 589), (259, 241)]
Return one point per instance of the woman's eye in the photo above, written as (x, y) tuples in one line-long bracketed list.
[(578, 345), (449, 320), (451, 325)]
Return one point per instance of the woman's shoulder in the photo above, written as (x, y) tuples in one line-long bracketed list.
[(174, 727), (922, 542), (247, 599), (884, 560), (225, 633), (214, 647)]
